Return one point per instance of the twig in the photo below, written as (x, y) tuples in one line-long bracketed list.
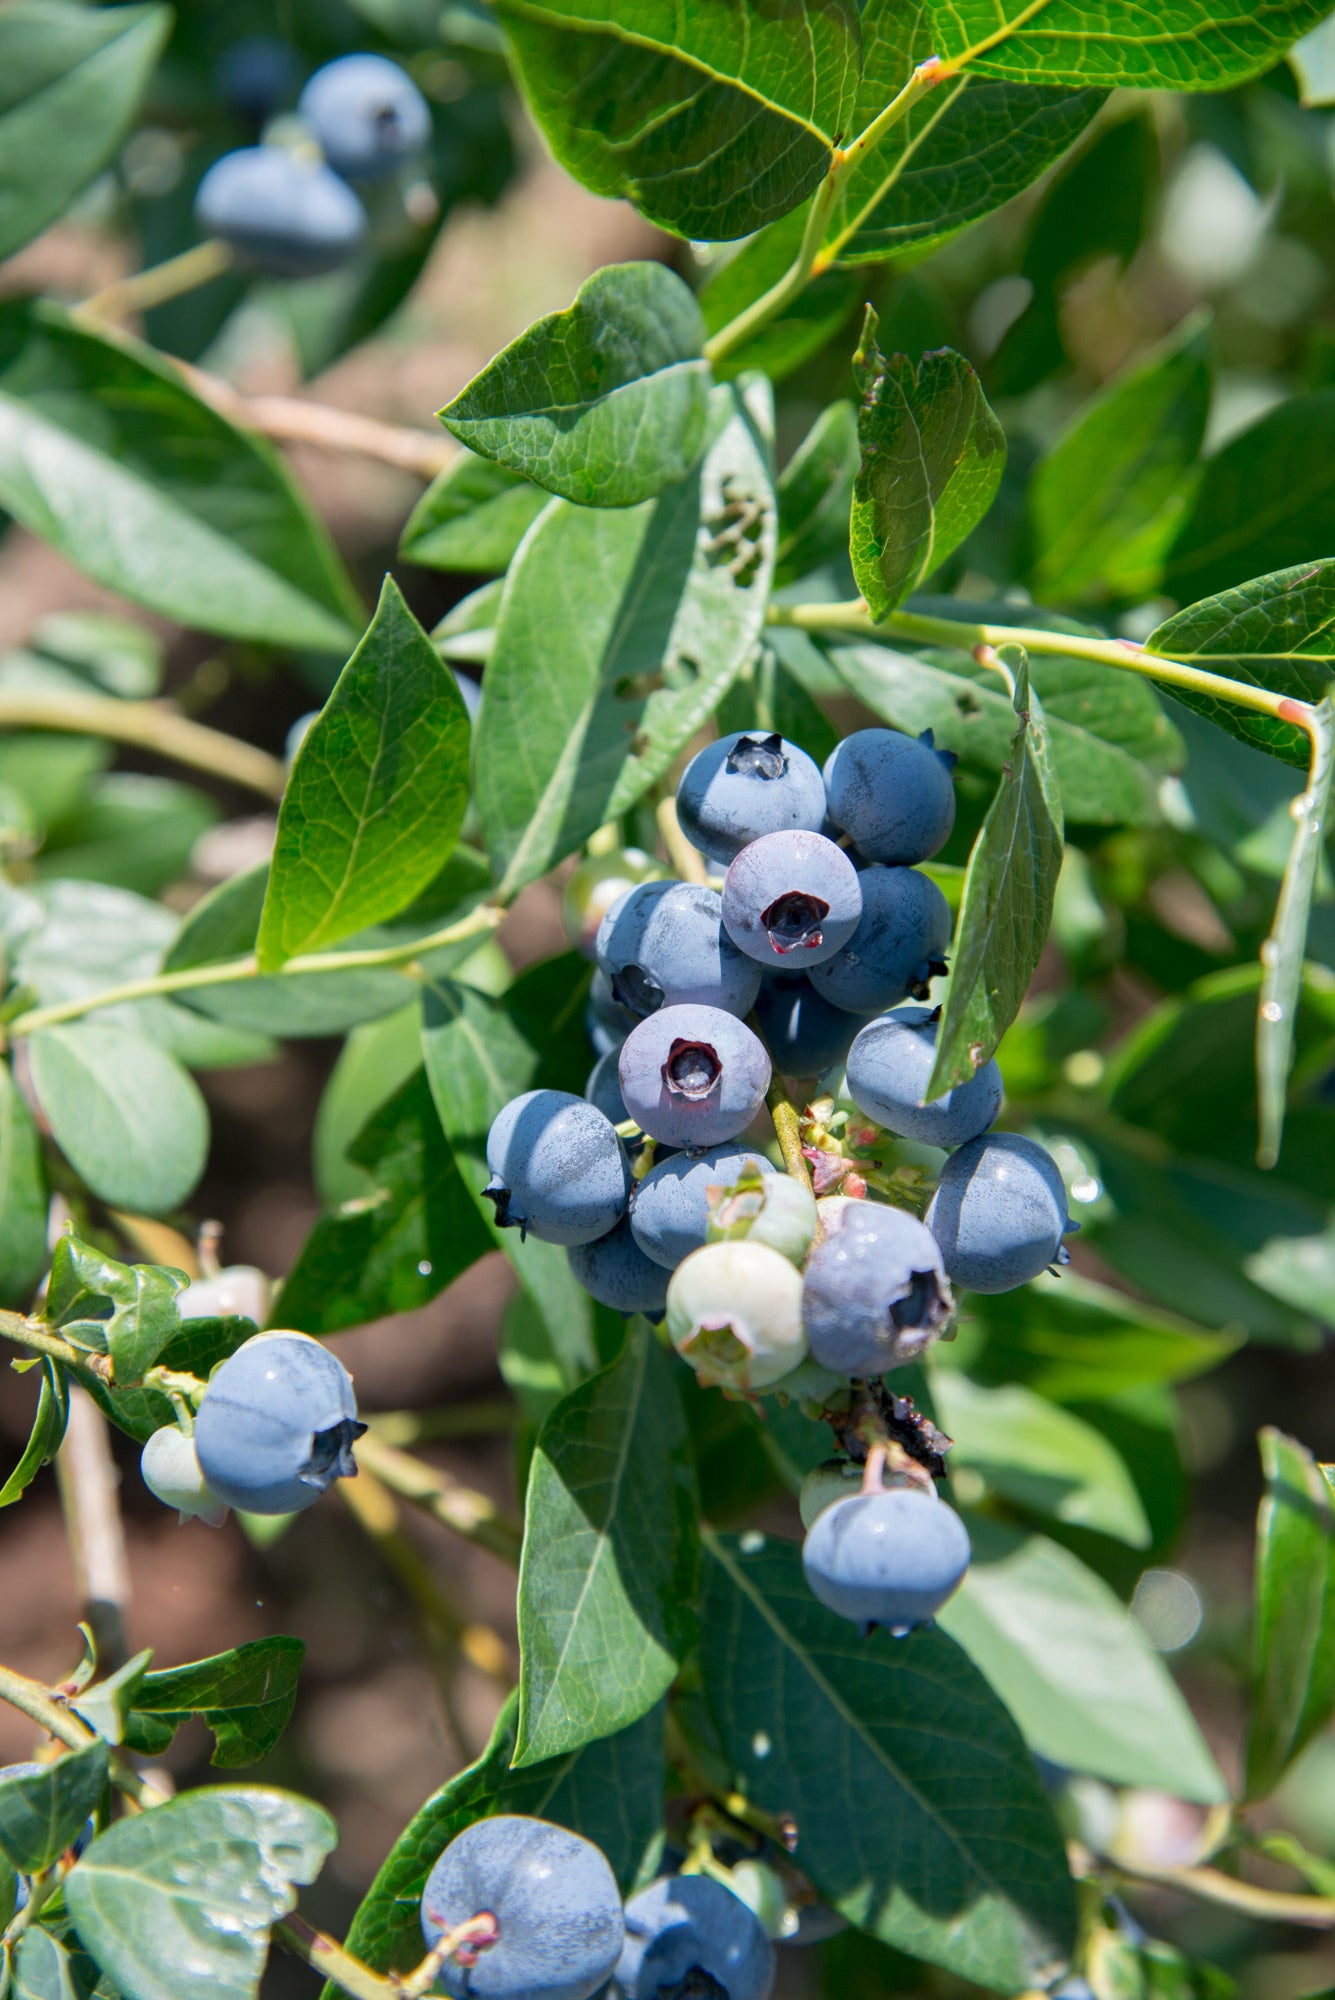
[(1211, 1885), (687, 860), (148, 725), (32, 1334), (90, 1497), (299, 420), (439, 1494), (175, 276), (327, 1957), (51, 1714)]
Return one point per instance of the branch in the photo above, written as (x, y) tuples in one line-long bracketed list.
[(443, 1497), (299, 420), (143, 290), (51, 1714), (327, 1957), (148, 725), (90, 1496), (1211, 1885), (32, 1334)]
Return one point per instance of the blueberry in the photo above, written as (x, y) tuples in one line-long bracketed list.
[(558, 1170), (255, 76), (693, 1076), (767, 1208), (746, 785), (605, 1024), (889, 1068), (597, 883), (876, 1292), (603, 1089), (893, 795), (663, 944), (169, 1466), (897, 948), (791, 899), (281, 214), (734, 1311), (682, 1923), (276, 1425), (669, 1209), (805, 1035), (616, 1272), (890, 1558), (557, 1911), (368, 115), (999, 1213)]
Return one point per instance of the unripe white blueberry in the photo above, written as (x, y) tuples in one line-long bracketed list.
[(773, 1209), (170, 1470), (734, 1311), (833, 1480), (241, 1289)]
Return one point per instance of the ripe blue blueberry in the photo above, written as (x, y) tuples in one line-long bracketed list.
[(743, 786), (663, 944), (876, 1292), (897, 948), (693, 1076), (889, 1068), (889, 1558), (734, 1312), (277, 1424), (559, 1928), (999, 1213), (280, 213), (255, 76), (690, 1923), (605, 1024), (803, 1033), (616, 1272), (669, 1209), (169, 1467), (791, 899), (603, 1089), (368, 115), (558, 1170), (893, 795)]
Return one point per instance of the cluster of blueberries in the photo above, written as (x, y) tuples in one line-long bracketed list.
[(547, 1919), (289, 209), (800, 960)]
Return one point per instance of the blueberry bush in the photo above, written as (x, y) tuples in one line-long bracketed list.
[(898, 617)]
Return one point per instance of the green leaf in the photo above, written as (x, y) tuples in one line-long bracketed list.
[(1073, 1667), (205, 1875), (766, 696), (196, 1350), (803, 326), (128, 1118), (1107, 500), (932, 459), (1040, 1457), (815, 495), (132, 830), (48, 1428), (1284, 951), (375, 1060), (1266, 502), (1312, 61), (43, 1812), (107, 1704), (619, 630), (607, 1582), (22, 1196), (610, 1791), (1276, 632), (800, 1698), (245, 1697), (107, 455), (376, 796), (473, 516), (45, 1970), (1294, 1686), (1199, 47), (70, 83), (480, 1052), (1008, 895), (128, 1311), (713, 121), (1108, 737), (604, 403), (397, 1246)]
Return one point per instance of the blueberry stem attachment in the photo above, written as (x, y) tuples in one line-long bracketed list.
[(479, 1932), (787, 1122), (873, 1468), (171, 279), (147, 725), (327, 1957)]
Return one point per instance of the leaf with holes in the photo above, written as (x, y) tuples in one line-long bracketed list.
[(604, 403), (618, 632), (245, 1697), (932, 459), (1198, 46), (377, 793), (1008, 896), (608, 1576), (1294, 1685), (712, 120)]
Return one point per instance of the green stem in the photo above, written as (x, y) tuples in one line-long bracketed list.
[(853, 618), (41, 1707), (231, 971), (845, 162), (171, 279), (30, 1333), (1211, 1885), (327, 1957), (439, 1494), (148, 725)]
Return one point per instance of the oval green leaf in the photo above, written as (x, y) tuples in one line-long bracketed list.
[(128, 1118)]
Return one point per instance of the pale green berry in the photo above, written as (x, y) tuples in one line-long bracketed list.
[(240, 1289), (170, 1470), (834, 1480), (766, 1208), (734, 1311), (757, 1885)]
